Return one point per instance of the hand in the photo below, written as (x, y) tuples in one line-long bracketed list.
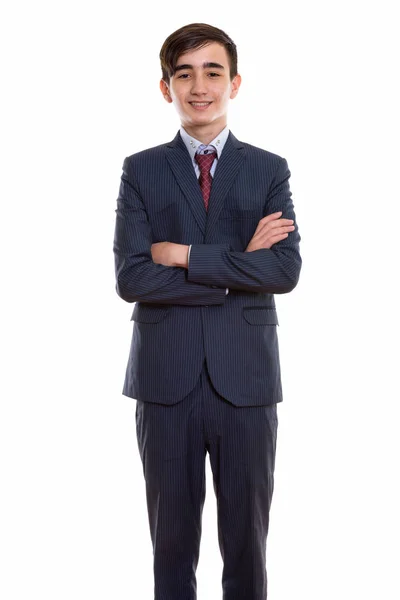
[(170, 254), (270, 230)]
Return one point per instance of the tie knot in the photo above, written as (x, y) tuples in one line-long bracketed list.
[(205, 161)]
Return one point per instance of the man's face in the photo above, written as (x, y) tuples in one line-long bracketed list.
[(201, 87)]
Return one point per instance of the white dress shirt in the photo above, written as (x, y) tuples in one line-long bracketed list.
[(195, 147)]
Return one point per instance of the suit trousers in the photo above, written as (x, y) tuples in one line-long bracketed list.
[(173, 441)]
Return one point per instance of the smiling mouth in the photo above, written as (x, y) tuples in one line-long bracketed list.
[(200, 104)]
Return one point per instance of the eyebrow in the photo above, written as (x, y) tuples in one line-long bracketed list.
[(206, 65)]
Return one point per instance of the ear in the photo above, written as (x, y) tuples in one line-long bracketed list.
[(235, 85), (165, 90)]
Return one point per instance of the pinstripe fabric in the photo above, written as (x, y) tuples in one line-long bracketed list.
[(203, 365), (173, 442), (182, 317)]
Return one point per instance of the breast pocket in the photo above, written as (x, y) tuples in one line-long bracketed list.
[(237, 225), (239, 214)]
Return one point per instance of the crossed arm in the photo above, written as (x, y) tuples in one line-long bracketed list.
[(270, 230), (160, 272)]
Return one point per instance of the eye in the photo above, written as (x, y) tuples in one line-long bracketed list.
[(183, 76), (214, 75)]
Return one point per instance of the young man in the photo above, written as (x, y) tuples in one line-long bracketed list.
[(205, 236)]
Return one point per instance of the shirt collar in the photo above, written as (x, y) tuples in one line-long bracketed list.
[(192, 144)]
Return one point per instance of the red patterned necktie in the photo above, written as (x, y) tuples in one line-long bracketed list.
[(205, 162)]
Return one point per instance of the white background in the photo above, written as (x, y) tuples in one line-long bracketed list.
[(80, 92)]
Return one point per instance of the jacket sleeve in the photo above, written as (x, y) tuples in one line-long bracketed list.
[(138, 278), (272, 270)]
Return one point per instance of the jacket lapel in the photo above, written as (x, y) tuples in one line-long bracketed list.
[(228, 166), (182, 167)]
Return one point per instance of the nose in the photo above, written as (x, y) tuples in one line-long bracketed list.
[(199, 86)]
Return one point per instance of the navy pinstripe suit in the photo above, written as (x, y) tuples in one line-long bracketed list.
[(204, 366)]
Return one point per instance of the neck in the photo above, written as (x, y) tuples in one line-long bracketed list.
[(204, 133)]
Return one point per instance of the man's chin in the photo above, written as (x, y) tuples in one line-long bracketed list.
[(202, 119)]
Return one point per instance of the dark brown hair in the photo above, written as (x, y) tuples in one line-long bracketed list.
[(193, 37)]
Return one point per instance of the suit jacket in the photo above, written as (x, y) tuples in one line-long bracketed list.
[(183, 316)]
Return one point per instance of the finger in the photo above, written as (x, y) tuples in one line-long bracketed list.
[(272, 216), (274, 222), (268, 218), (269, 235), (278, 238), (284, 229), (280, 222), (283, 224), (266, 236), (270, 242)]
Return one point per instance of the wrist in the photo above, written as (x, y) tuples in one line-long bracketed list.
[(180, 258)]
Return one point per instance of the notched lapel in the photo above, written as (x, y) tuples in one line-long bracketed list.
[(182, 168), (228, 167)]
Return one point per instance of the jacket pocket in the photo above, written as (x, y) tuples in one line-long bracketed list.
[(149, 314), (261, 316), (238, 214)]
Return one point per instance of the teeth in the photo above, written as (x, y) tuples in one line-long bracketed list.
[(199, 103)]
